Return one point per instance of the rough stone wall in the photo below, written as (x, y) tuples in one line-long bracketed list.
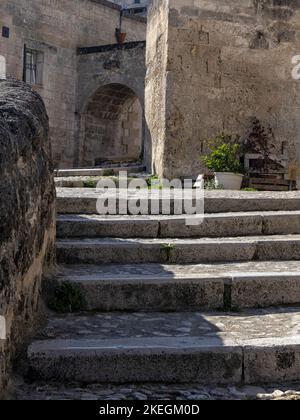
[(211, 66), (57, 28), (27, 213), (110, 103), (155, 84)]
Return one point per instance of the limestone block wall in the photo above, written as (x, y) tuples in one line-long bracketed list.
[(27, 214), (156, 84), (57, 28), (211, 66)]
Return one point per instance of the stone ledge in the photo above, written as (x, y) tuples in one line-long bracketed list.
[(181, 251), (250, 347), (155, 287), (212, 225), (110, 47), (83, 200)]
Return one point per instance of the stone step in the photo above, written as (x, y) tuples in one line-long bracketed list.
[(181, 251), (211, 225), (92, 181), (260, 346), (84, 200), (101, 171), (156, 287)]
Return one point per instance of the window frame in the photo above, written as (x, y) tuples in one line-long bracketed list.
[(35, 66)]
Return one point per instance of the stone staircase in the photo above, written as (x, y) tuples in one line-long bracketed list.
[(165, 302)]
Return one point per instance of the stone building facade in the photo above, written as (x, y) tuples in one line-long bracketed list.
[(211, 65), (43, 36)]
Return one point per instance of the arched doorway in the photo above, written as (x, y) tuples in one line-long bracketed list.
[(113, 126)]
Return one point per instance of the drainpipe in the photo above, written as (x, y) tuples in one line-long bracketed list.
[(121, 19), (121, 36)]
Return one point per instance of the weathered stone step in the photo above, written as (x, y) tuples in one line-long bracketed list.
[(101, 171), (181, 251), (92, 181), (156, 287), (211, 225), (260, 346), (84, 200)]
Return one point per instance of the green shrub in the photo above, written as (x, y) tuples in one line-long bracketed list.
[(224, 156)]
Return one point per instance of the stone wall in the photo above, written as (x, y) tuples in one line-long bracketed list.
[(57, 28), (27, 213), (211, 66), (155, 84), (110, 103)]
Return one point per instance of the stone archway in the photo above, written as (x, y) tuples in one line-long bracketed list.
[(112, 126)]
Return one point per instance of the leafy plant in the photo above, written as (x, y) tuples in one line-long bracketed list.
[(225, 154)]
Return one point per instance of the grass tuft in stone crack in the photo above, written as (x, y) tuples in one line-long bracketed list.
[(154, 183), (66, 298), (108, 172), (90, 183), (166, 251)]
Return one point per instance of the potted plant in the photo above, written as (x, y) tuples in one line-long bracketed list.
[(224, 160), (121, 36)]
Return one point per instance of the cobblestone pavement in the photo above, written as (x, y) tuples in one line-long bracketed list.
[(250, 324), (141, 392)]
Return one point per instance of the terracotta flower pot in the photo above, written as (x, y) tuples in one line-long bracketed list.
[(121, 37)]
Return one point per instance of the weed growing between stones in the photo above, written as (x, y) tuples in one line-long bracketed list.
[(66, 298), (166, 251), (108, 172), (153, 182), (90, 183), (249, 189)]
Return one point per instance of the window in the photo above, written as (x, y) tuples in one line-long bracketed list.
[(33, 66)]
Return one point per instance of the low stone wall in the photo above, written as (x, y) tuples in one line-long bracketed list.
[(27, 213)]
